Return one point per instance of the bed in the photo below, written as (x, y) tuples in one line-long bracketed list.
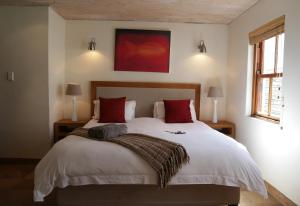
[(81, 171)]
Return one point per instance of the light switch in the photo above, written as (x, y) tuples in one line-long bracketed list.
[(11, 76)]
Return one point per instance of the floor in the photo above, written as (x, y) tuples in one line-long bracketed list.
[(16, 185)]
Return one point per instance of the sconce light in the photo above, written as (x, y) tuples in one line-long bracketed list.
[(202, 47), (92, 45)]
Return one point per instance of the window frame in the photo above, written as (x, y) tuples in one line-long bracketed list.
[(258, 75)]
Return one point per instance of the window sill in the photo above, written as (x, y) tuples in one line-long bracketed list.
[(266, 119)]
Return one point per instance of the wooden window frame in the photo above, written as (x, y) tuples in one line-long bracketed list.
[(258, 74)]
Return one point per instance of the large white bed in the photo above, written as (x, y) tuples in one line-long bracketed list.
[(215, 159)]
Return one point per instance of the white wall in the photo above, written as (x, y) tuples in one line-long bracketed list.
[(186, 64), (56, 61), (24, 105), (276, 151)]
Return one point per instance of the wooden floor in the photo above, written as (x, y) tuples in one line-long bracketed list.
[(16, 186)]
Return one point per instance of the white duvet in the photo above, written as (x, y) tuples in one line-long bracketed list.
[(214, 159)]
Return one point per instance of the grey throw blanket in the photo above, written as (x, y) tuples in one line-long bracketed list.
[(165, 157), (107, 131)]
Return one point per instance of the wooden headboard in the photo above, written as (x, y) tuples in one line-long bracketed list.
[(145, 89)]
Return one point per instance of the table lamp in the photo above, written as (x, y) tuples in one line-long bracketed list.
[(73, 90), (215, 92)]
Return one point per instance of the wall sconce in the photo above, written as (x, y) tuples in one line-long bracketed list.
[(92, 45), (202, 47)]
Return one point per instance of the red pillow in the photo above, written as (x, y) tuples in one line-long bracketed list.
[(177, 111), (112, 110)]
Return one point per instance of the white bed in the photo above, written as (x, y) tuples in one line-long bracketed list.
[(214, 159)]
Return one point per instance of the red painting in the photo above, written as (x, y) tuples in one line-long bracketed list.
[(142, 50)]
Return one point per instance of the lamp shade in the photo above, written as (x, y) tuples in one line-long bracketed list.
[(215, 92), (73, 89)]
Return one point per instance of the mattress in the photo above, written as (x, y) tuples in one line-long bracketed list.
[(214, 159)]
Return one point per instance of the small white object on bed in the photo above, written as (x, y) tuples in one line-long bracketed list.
[(214, 159)]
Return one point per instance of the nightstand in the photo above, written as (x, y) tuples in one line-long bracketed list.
[(224, 127), (65, 126)]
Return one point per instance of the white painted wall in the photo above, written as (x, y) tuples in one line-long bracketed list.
[(276, 151), (24, 105), (186, 64), (56, 61)]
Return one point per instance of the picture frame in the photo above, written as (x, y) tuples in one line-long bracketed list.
[(142, 50)]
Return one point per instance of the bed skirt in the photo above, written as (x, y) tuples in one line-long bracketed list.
[(145, 195)]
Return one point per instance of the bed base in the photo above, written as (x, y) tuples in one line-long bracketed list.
[(146, 195)]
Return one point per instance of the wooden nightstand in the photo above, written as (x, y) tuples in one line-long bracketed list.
[(65, 126), (224, 127)]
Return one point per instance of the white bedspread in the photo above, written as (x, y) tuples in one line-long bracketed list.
[(214, 159)]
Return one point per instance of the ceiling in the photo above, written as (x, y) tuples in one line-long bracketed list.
[(192, 11)]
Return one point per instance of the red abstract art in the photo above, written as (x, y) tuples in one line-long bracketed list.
[(142, 50)]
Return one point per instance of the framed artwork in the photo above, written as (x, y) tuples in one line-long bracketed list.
[(142, 50)]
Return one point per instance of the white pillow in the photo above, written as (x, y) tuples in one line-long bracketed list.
[(129, 109), (159, 110)]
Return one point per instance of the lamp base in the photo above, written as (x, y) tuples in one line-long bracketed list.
[(215, 114), (74, 118), (74, 109)]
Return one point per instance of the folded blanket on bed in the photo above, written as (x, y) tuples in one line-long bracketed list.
[(165, 157), (107, 131), (101, 132)]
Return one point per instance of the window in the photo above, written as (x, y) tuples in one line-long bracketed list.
[(268, 70)]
